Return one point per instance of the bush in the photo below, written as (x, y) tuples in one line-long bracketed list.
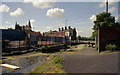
[(62, 50), (57, 60), (111, 47)]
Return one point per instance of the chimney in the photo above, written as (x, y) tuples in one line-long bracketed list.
[(59, 29), (62, 28), (65, 28), (75, 29), (69, 27)]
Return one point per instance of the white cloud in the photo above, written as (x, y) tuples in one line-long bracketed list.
[(55, 12), (41, 3), (84, 32), (102, 4), (18, 12), (7, 22), (81, 23), (28, 1), (4, 8), (7, 26), (61, 25), (80, 31), (32, 20), (116, 18), (48, 27), (93, 18), (112, 9)]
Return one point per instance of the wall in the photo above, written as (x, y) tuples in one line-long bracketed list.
[(108, 35)]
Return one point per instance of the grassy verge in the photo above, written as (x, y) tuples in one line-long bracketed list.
[(76, 48), (52, 65)]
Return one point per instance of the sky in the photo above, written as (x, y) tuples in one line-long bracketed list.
[(46, 16)]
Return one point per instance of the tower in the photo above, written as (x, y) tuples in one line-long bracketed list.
[(16, 25), (29, 24)]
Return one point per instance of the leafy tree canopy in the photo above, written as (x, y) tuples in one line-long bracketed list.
[(103, 19)]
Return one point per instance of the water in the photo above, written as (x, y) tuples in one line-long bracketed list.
[(26, 63)]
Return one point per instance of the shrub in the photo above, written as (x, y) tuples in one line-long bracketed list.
[(62, 50), (57, 60), (96, 46), (111, 47)]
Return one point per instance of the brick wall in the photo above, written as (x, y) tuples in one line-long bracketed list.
[(108, 35)]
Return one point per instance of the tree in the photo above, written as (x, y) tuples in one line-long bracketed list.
[(103, 19), (10, 29), (79, 37)]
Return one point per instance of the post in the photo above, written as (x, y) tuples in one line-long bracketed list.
[(107, 6)]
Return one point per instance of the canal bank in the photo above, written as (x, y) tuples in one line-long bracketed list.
[(26, 62)]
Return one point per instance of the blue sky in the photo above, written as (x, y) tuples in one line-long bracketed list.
[(78, 15)]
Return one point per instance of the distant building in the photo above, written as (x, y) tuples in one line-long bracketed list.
[(25, 28), (33, 37), (13, 35), (13, 40), (67, 33)]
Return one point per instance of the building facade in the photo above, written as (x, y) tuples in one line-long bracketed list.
[(66, 33)]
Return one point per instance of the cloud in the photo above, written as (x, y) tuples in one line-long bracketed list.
[(7, 26), (4, 8), (61, 25), (48, 27), (80, 31), (32, 20), (27, 1), (116, 18), (85, 32), (112, 9), (93, 18), (17, 13), (102, 4), (81, 23), (41, 3), (7, 22), (55, 12)]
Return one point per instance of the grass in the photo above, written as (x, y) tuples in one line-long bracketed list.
[(41, 68), (77, 49), (52, 65)]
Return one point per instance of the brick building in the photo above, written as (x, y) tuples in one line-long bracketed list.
[(108, 35), (66, 33)]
